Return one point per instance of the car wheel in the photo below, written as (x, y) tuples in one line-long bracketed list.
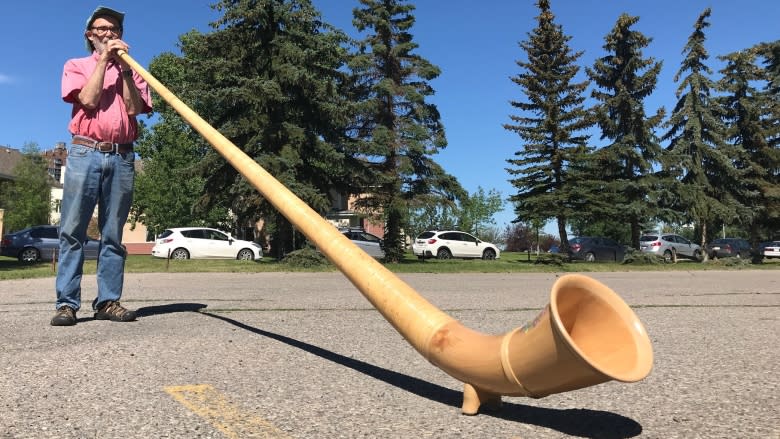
[(245, 255), (489, 255), (590, 257), (29, 254), (668, 256), (443, 253), (180, 253), (698, 256)]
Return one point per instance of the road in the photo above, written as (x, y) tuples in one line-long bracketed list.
[(304, 355)]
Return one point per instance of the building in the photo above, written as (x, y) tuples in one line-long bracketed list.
[(343, 214)]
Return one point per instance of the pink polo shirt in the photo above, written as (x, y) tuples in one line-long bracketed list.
[(109, 121)]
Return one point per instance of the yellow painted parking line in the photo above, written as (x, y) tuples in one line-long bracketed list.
[(216, 409)]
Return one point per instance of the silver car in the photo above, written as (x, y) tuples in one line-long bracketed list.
[(669, 246), (369, 243)]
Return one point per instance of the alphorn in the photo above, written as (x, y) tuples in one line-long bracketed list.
[(586, 335)]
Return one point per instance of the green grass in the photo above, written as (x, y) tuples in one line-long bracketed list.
[(509, 262)]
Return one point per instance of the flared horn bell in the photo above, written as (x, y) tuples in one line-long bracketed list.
[(587, 335)]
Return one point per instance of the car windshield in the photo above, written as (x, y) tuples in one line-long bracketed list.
[(426, 235), (646, 238)]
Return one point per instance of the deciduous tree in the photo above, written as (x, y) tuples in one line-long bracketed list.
[(27, 199)]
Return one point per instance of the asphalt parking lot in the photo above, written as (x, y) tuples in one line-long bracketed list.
[(304, 355)]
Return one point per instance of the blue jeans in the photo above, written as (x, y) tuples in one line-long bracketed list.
[(106, 180)]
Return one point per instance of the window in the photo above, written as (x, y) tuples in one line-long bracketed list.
[(367, 237), (467, 238), (194, 234), (215, 235), (44, 233)]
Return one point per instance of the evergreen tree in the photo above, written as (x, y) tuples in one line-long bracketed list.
[(395, 129), (698, 155), (622, 185), (550, 125), (770, 52), (748, 129), (168, 187), (27, 199), (268, 78)]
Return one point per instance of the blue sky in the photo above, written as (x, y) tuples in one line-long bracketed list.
[(474, 43)]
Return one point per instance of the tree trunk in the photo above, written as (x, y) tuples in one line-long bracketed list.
[(562, 234)]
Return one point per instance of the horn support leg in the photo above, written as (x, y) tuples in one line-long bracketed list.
[(474, 397)]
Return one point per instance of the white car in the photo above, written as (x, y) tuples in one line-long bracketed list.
[(446, 244), (204, 243), (772, 250)]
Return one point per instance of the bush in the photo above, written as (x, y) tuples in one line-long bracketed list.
[(731, 262), (305, 258), (637, 257), (557, 259)]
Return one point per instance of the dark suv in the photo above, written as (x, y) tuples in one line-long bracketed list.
[(596, 248), (729, 247)]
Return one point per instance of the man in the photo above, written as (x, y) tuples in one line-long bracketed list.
[(106, 96)]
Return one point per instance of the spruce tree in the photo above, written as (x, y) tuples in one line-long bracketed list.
[(698, 155), (623, 182), (770, 52), (745, 112), (550, 125), (395, 129), (171, 152), (269, 78)]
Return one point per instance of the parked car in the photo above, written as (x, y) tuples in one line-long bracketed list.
[(40, 243), (668, 245), (203, 243), (729, 247), (772, 250), (596, 248), (368, 242), (446, 244)]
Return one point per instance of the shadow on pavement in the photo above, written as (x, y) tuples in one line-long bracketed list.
[(147, 311), (573, 422)]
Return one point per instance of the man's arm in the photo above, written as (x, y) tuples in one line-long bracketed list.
[(130, 94), (89, 96)]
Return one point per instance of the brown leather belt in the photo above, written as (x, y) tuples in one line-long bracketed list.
[(114, 148)]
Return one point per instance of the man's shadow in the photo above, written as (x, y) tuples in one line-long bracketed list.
[(170, 308), (574, 422), (147, 311)]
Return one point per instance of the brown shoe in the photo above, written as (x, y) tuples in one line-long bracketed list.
[(115, 312), (65, 316)]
